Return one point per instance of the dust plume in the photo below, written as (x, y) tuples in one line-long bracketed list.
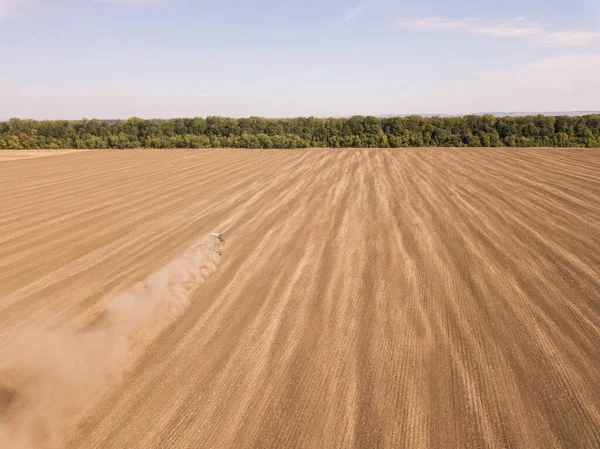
[(49, 377)]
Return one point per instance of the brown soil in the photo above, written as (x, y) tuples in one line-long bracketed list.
[(418, 298), (10, 155)]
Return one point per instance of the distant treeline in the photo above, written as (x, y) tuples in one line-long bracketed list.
[(256, 132)]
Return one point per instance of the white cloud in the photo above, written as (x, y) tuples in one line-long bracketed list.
[(353, 13), (572, 38), (519, 27), (432, 23)]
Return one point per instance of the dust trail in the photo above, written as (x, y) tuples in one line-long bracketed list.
[(53, 376)]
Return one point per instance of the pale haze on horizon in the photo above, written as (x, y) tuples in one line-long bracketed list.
[(66, 59)]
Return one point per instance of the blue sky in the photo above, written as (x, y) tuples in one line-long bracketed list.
[(172, 58)]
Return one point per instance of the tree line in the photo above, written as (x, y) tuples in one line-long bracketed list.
[(257, 132)]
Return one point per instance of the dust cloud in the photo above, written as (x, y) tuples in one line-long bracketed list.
[(48, 378)]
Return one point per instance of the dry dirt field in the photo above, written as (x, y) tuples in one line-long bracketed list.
[(10, 155), (415, 298)]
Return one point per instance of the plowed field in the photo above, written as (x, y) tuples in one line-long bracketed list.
[(417, 298)]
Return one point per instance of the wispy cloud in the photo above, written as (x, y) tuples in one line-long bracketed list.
[(351, 14), (572, 38), (432, 23), (519, 27), (516, 28)]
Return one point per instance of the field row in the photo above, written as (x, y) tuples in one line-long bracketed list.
[(418, 298)]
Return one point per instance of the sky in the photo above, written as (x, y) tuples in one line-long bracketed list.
[(67, 59)]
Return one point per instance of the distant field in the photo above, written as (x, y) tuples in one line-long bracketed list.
[(10, 155), (413, 298)]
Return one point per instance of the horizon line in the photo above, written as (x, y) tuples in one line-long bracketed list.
[(428, 115)]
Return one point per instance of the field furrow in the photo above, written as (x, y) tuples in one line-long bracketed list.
[(410, 298)]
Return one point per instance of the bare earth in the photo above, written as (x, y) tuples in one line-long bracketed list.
[(418, 298), (10, 155)]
